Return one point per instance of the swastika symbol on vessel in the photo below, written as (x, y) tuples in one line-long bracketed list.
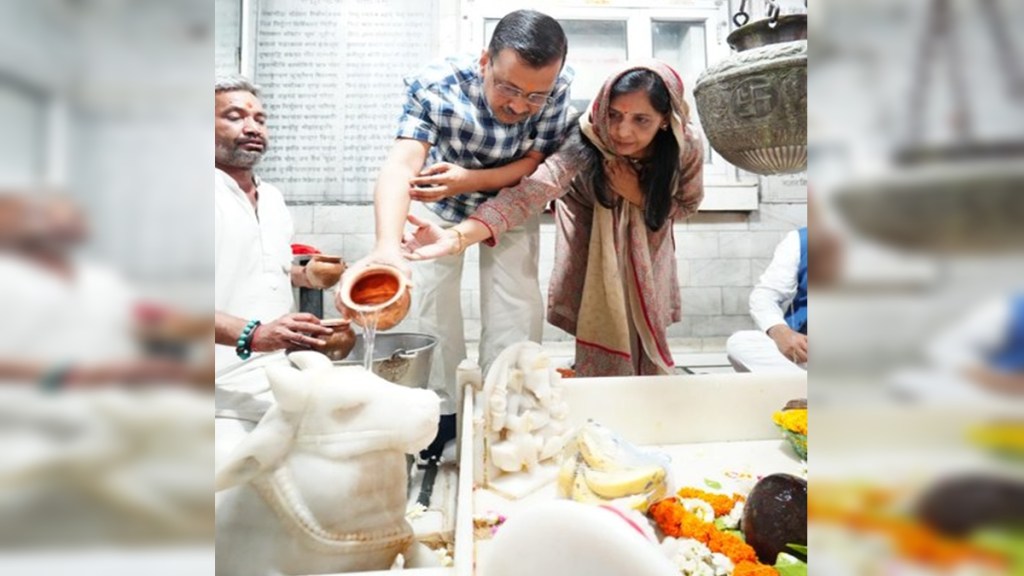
[(754, 98)]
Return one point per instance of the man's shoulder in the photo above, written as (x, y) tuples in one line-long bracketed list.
[(566, 76), (225, 185), (445, 73)]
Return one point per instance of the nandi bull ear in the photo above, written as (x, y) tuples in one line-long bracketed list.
[(259, 452), (289, 386), (309, 360)]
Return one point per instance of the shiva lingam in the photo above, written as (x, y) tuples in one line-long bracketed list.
[(378, 292), (753, 104)]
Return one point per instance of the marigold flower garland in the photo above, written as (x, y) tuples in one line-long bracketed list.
[(870, 510), (675, 521), (721, 503)]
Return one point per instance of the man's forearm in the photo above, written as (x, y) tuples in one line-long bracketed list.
[(391, 195), (391, 204), (996, 381), (227, 328), (508, 175), (298, 277), (12, 370)]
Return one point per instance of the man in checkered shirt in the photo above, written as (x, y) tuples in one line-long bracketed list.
[(470, 127)]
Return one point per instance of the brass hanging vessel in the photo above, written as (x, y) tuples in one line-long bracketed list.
[(966, 197), (753, 104)]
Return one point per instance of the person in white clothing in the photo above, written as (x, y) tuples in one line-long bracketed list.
[(253, 231), (978, 361), (68, 321), (778, 305)]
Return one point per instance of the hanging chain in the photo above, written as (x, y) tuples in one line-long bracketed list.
[(1005, 49), (773, 10), (741, 17), (939, 29)]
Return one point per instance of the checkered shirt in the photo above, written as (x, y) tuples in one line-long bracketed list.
[(445, 106)]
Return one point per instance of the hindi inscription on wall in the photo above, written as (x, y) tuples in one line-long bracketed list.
[(331, 73)]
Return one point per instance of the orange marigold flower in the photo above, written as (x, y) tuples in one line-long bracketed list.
[(721, 503), (675, 521)]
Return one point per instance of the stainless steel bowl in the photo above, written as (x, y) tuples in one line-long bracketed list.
[(402, 358)]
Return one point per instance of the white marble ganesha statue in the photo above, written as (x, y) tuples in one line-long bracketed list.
[(520, 413), (319, 485)]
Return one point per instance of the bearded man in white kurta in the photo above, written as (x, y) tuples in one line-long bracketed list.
[(254, 270)]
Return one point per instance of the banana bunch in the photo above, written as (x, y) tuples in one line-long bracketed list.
[(599, 467)]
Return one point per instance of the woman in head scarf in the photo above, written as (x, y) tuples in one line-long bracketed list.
[(629, 167)]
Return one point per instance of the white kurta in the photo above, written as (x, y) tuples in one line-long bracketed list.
[(968, 343), (753, 350), (252, 262), (85, 319), (777, 287)]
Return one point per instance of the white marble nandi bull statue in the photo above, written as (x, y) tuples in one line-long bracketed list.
[(319, 485)]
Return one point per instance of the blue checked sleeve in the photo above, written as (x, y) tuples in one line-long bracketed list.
[(416, 121), (552, 123)]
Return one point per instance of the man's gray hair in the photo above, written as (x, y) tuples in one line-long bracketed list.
[(235, 83)]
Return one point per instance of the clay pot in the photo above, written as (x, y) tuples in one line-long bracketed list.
[(379, 291), (340, 343), (324, 271), (753, 104)]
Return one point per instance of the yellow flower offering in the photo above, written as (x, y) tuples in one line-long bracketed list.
[(1004, 437), (793, 420)]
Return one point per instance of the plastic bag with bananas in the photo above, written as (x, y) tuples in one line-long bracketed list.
[(601, 467)]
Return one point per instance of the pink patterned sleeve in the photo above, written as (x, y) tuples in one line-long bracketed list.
[(513, 205), (690, 191)]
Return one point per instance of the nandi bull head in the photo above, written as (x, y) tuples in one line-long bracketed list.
[(328, 461)]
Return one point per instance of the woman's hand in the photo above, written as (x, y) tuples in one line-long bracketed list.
[(428, 241), (624, 180), (440, 181)]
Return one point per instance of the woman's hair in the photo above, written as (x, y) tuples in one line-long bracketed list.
[(656, 178)]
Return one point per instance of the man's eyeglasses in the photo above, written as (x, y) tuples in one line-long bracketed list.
[(535, 99)]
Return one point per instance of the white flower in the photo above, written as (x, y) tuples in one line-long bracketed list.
[(699, 508), (731, 521), (722, 564), (694, 558)]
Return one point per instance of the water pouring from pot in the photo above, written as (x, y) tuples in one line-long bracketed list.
[(376, 297)]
